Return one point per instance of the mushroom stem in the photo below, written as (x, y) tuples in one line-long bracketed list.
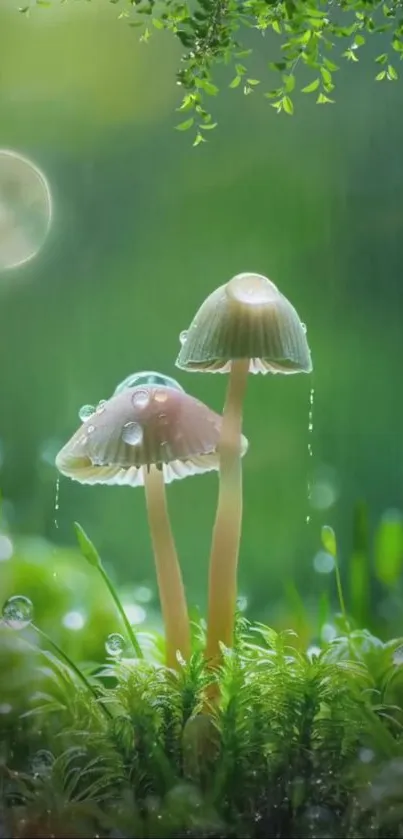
[(169, 577), (228, 521)]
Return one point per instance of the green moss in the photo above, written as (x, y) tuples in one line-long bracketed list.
[(300, 745)]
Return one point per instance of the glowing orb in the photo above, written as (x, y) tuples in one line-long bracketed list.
[(25, 209)]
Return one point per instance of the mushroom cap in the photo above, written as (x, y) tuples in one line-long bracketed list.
[(248, 317), (148, 426)]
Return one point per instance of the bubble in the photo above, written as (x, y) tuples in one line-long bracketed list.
[(73, 620), (323, 562), (132, 433), (85, 412), (147, 377), (25, 209), (183, 336), (18, 612), (135, 613), (140, 398), (42, 762), (115, 644), (6, 548)]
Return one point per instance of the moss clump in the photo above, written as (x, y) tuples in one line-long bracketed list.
[(300, 745)]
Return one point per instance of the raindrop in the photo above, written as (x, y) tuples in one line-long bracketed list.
[(90, 429), (143, 594), (73, 620), (140, 398), (147, 377), (25, 209), (323, 562), (132, 433), (183, 336), (115, 644), (101, 406), (57, 504), (303, 325), (6, 548), (42, 762), (85, 412), (18, 612)]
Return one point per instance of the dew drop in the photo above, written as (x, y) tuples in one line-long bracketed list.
[(140, 398), (303, 325), (18, 612), (132, 433), (147, 377), (85, 412), (42, 762), (101, 406), (183, 336), (115, 644)]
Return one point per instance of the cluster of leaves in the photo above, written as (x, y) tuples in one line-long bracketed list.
[(299, 745), (309, 40)]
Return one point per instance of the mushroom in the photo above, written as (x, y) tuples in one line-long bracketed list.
[(245, 326), (149, 436)]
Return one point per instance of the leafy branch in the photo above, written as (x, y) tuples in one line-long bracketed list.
[(308, 40)]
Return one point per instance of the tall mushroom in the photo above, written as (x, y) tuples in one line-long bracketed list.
[(245, 326), (149, 436)]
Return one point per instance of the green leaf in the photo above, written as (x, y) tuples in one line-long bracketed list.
[(382, 59), (276, 27), (311, 87), (199, 139), (157, 23), (392, 74), (209, 126), (188, 103), (326, 75), (322, 99), (359, 40), (329, 540), (389, 550), (207, 86), (288, 106), (235, 82), (87, 548), (253, 82), (289, 83), (380, 76), (184, 126), (277, 65), (330, 65), (240, 69)]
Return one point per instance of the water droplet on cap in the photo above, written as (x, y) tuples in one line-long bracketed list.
[(85, 412), (115, 644), (147, 377), (140, 398), (183, 336), (303, 325), (101, 406), (132, 433), (18, 612), (160, 396), (90, 429)]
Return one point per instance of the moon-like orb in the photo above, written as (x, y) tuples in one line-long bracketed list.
[(25, 209)]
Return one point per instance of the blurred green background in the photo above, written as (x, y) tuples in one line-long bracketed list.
[(144, 227)]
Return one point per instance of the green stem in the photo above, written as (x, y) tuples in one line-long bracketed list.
[(128, 626), (340, 594), (76, 670)]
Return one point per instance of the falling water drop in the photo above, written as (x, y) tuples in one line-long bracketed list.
[(57, 505), (17, 612), (115, 644), (132, 433), (310, 448), (85, 412)]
